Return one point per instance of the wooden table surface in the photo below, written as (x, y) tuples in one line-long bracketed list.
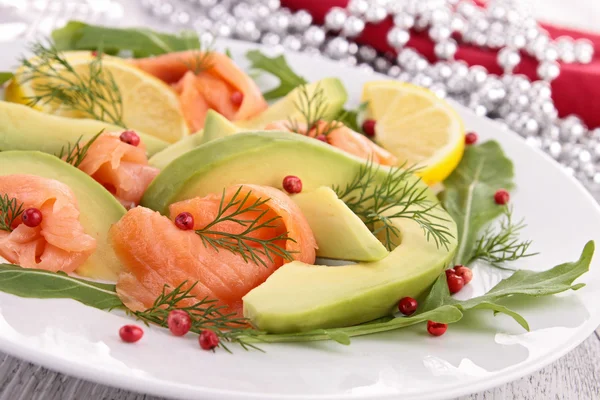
[(576, 376)]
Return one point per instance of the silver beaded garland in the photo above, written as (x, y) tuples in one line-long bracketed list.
[(519, 104)]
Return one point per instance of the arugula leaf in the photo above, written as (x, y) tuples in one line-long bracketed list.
[(350, 118), (40, 284), (469, 193), (141, 42), (5, 77), (278, 66), (440, 306)]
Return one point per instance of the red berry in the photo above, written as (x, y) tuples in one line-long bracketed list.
[(501, 197), (322, 138), (208, 340), (179, 322), (94, 53), (471, 138), (32, 217), (455, 283), (237, 98), (464, 272), (292, 184), (130, 137), (131, 333), (449, 272), (184, 221), (436, 328), (368, 127), (407, 305)]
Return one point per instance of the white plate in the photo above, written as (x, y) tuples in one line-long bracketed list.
[(478, 353)]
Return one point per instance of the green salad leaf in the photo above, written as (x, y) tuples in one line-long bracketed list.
[(469, 194), (5, 77), (142, 42), (440, 306), (277, 66), (351, 118), (39, 284)]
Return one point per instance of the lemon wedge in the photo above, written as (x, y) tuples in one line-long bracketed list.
[(149, 105), (417, 127)]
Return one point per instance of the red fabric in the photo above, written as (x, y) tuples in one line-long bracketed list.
[(574, 91)]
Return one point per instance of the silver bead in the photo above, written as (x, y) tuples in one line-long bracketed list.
[(270, 39), (394, 71), (594, 134), (353, 26), (164, 9), (404, 21), (207, 3), (548, 53), (367, 53), (301, 20), (552, 132), (381, 64), (585, 156), (314, 36), (352, 48), (241, 10), (584, 51), (260, 12), (222, 29), (446, 49), (477, 75), (537, 45), (180, 18), (466, 9), (555, 149), (442, 70), (244, 28), (566, 49), (534, 141), (516, 41), (358, 7), (278, 22), (203, 23), (531, 127), (375, 14), (337, 47), (335, 18), (439, 90), (519, 101), (397, 37), (423, 80), (457, 24), (272, 4), (541, 90), (508, 59), (496, 11), (366, 68), (571, 129), (439, 33), (292, 42), (440, 16), (216, 12), (548, 70), (456, 84), (350, 60), (460, 69)]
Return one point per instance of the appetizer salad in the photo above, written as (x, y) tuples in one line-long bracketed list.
[(154, 162)]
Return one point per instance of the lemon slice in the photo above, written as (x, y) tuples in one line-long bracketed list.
[(417, 127), (149, 105)]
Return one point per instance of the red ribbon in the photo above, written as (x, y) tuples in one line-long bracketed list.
[(575, 91)]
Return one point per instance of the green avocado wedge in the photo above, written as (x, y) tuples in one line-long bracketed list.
[(98, 208), (24, 128), (182, 146), (300, 297), (339, 296), (262, 158), (340, 233)]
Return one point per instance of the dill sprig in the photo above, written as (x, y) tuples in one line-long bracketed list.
[(205, 314), (93, 92), (202, 59), (10, 210), (497, 246), (249, 247), (312, 109), (379, 203), (75, 153)]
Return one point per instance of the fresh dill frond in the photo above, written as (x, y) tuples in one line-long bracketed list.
[(202, 58), (312, 109), (378, 203), (498, 246), (205, 314), (243, 243), (75, 153), (93, 92), (10, 210)]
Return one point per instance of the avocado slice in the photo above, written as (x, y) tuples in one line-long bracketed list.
[(300, 297), (98, 208), (281, 304), (217, 126), (24, 128), (339, 232), (171, 152), (262, 158), (333, 91)]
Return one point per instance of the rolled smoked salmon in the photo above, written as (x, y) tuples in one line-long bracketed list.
[(155, 252), (59, 243)]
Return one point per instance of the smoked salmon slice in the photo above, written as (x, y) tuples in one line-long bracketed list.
[(344, 139), (59, 243), (120, 167), (155, 252), (216, 78)]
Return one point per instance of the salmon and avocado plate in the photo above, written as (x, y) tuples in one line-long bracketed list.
[(163, 183)]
